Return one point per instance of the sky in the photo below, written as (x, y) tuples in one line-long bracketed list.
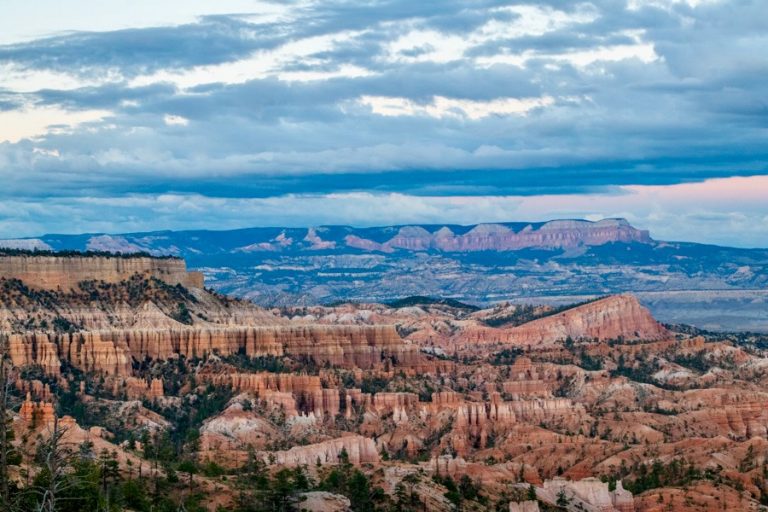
[(139, 115)]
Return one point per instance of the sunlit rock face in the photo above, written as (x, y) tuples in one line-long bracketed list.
[(52, 272), (101, 314), (615, 317), (358, 450), (111, 351), (593, 493)]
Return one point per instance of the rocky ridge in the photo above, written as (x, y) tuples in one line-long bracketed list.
[(51, 272), (558, 262)]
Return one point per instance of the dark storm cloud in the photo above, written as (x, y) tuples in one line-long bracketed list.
[(686, 102)]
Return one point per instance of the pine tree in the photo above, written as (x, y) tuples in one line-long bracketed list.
[(109, 473)]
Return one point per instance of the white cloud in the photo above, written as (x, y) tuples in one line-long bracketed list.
[(639, 49), (172, 120), (22, 20), (533, 20), (16, 79), (260, 64), (36, 121), (442, 107), (427, 46), (419, 45)]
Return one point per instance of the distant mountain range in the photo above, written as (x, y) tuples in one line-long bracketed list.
[(560, 260)]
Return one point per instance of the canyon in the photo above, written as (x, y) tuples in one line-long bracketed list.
[(554, 262), (434, 404)]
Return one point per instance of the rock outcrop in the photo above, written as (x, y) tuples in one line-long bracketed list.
[(295, 394), (524, 506), (36, 413), (593, 493), (226, 437), (65, 272), (320, 501), (359, 450), (510, 407), (499, 237), (137, 389), (110, 352), (615, 317)]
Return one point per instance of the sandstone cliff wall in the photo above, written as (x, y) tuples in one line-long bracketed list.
[(296, 394), (593, 493), (618, 316), (111, 351), (51, 272), (360, 450)]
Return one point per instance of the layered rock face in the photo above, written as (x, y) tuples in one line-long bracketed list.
[(615, 317), (296, 395), (111, 352), (498, 237), (136, 389), (359, 449), (41, 413), (52, 272), (593, 493)]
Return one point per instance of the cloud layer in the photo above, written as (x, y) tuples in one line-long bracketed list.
[(414, 103)]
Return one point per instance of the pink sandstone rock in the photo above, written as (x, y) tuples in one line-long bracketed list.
[(360, 450)]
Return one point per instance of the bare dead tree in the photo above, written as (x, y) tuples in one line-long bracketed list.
[(6, 380), (55, 459)]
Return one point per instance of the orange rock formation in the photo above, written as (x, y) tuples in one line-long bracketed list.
[(51, 272), (110, 352), (615, 317)]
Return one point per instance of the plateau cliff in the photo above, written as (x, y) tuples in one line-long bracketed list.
[(52, 272)]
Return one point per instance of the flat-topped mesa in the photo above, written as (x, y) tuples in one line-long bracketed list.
[(557, 234), (51, 272), (110, 351)]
